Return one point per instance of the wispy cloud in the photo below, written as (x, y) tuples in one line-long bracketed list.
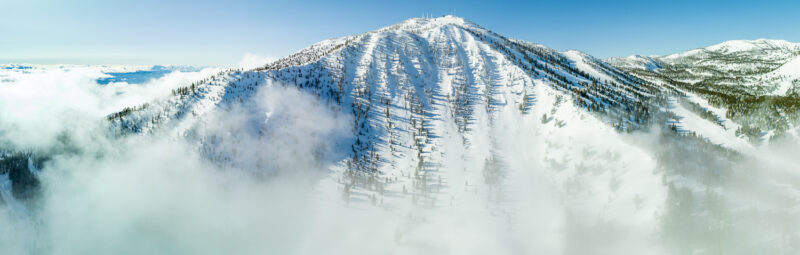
[(250, 61)]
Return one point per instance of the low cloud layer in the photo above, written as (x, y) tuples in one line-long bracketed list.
[(267, 176), (38, 105), (248, 189)]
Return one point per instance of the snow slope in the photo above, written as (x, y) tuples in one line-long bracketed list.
[(636, 62), (739, 46), (752, 84), (788, 74)]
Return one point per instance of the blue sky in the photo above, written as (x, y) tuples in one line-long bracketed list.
[(221, 32)]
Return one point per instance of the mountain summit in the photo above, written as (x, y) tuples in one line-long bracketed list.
[(736, 46)]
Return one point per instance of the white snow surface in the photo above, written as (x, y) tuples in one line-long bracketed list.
[(636, 61), (735, 46), (787, 74), (579, 59)]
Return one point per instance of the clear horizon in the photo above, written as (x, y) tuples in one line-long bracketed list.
[(224, 34)]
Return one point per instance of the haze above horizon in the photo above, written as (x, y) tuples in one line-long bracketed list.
[(221, 33)]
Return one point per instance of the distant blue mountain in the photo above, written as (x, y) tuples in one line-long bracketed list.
[(19, 67), (142, 76)]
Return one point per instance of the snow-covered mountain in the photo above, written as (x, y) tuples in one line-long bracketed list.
[(766, 46), (454, 124), (740, 65), (449, 56), (412, 84), (736, 63), (752, 85), (445, 111)]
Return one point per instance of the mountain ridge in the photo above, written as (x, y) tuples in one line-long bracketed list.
[(734, 46), (754, 83)]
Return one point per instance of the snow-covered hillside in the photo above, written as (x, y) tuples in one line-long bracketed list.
[(636, 62), (788, 77), (752, 84), (739, 64)]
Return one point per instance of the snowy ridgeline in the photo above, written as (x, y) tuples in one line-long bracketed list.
[(761, 67), (754, 85)]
